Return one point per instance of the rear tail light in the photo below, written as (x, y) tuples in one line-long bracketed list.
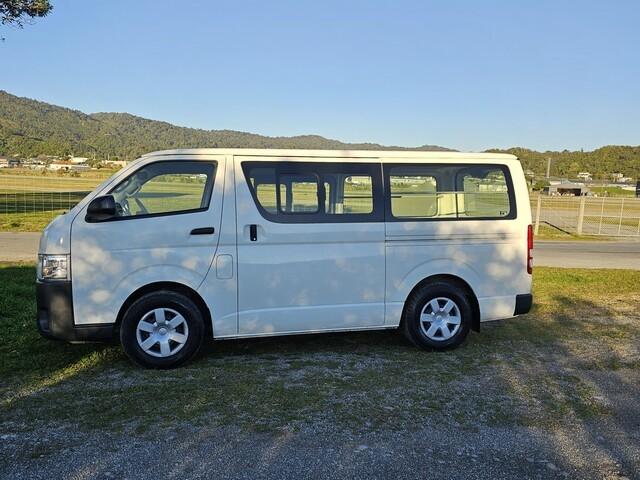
[(529, 249)]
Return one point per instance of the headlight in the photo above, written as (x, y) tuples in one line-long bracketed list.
[(53, 267)]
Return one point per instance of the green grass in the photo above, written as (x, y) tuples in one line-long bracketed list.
[(613, 191), (31, 222), (546, 232), (532, 370)]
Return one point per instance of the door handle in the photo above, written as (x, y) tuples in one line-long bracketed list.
[(203, 231), (253, 232)]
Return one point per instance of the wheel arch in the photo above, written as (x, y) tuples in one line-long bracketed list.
[(454, 280), (175, 287)]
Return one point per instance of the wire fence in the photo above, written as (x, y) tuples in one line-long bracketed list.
[(32, 201), (606, 216)]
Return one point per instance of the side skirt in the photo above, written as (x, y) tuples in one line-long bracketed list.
[(303, 332)]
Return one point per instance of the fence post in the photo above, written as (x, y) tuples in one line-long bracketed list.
[(601, 215), (581, 215), (538, 207), (621, 213)]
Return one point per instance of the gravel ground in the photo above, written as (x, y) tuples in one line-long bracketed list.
[(607, 447), (601, 450)]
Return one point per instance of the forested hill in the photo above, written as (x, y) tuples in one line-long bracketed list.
[(601, 163), (29, 128)]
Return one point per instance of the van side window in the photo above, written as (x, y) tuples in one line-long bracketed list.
[(299, 193), (449, 191), (165, 188), (484, 193), (413, 193), (309, 192), (263, 183), (358, 194)]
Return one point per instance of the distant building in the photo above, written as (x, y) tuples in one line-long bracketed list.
[(115, 163), (55, 166), (585, 176), (8, 162), (82, 167), (620, 178), (77, 160), (567, 189)]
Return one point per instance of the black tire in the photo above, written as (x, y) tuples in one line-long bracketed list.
[(141, 308), (418, 301)]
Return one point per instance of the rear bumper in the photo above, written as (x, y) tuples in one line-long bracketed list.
[(55, 315), (523, 304)]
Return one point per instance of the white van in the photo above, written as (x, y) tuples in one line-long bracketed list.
[(182, 245)]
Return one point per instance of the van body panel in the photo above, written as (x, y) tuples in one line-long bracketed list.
[(219, 290), (495, 308), (306, 276), (111, 260), (489, 255), (492, 268)]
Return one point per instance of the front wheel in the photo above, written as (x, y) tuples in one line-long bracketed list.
[(162, 329), (437, 316)]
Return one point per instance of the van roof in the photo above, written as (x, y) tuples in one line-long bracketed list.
[(266, 152)]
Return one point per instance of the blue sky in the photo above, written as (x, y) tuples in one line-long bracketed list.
[(469, 75)]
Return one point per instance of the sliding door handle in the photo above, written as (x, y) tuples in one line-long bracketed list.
[(203, 231), (253, 232)]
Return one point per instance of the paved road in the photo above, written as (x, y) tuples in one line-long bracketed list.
[(18, 247), (585, 254)]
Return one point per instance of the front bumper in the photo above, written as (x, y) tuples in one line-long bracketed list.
[(55, 315)]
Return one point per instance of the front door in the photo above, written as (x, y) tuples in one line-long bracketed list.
[(310, 245), (166, 230)]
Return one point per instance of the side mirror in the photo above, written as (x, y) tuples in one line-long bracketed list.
[(101, 209)]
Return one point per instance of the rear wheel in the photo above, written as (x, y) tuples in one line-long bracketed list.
[(162, 329), (437, 316)]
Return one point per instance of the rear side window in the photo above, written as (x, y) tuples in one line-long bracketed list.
[(441, 191), (309, 192), (484, 193), (413, 194), (357, 194)]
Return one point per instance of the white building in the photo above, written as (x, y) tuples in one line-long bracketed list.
[(115, 163), (585, 176), (55, 166), (78, 160), (8, 162)]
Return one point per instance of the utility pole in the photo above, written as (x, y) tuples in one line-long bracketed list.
[(548, 167)]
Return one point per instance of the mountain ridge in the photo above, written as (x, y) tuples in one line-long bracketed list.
[(31, 127)]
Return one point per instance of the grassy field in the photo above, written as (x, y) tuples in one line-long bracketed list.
[(540, 369), (613, 192), (28, 202)]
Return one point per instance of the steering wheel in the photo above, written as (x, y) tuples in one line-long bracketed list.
[(122, 209)]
